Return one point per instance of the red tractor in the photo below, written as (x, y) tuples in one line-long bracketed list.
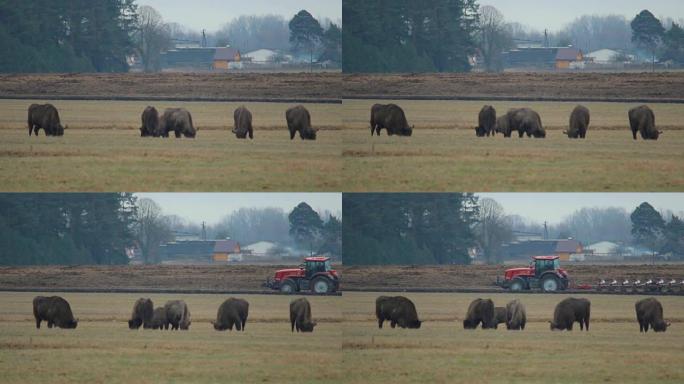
[(544, 272), (315, 275)]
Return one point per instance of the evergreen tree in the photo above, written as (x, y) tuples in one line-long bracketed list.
[(305, 33), (305, 226), (674, 238), (647, 32), (674, 44), (647, 226)]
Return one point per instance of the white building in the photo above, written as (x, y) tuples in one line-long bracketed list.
[(263, 56)]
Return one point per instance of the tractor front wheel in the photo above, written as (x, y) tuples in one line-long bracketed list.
[(321, 285), (288, 286), (550, 283)]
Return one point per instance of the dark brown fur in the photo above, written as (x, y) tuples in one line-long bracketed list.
[(150, 123), (143, 310), (642, 120), (515, 315), (487, 122), (503, 126), (569, 311), (300, 315), (159, 319), (500, 316), (232, 312), (299, 120), (398, 310), (177, 315), (526, 121), (44, 116), (243, 123), (55, 310), (579, 123), (177, 120), (480, 311), (649, 312), (392, 118)]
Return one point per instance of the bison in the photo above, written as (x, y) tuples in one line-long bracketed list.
[(570, 310), (579, 122), (649, 312), (398, 310), (299, 120), (503, 126), (526, 121), (232, 312), (480, 311), (159, 319), (642, 120), (243, 123), (143, 310), (177, 120), (150, 123), (177, 315), (500, 316), (487, 122), (515, 315), (300, 316), (44, 116), (392, 118), (55, 310)]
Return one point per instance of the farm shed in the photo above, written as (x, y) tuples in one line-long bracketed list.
[(188, 58), (223, 249), (544, 58), (224, 56), (569, 58), (523, 250)]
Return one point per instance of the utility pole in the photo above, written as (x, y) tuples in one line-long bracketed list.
[(204, 231), (546, 231)]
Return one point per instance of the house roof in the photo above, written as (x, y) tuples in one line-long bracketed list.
[(225, 53), (223, 246), (569, 54), (567, 246)]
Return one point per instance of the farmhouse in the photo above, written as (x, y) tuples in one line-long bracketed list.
[(544, 58), (523, 250), (224, 250), (224, 56)]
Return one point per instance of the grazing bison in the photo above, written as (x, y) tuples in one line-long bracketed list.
[(398, 310), (243, 123), (579, 122), (300, 316), (177, 120), (487, 122), (392, 118), (500, 316), (503, 126), (150, 123), (159, 319), (480, 311), (516, 316), (44, 116), (526, 121), (650, 312), (299, 119), (232, 312), (177, 315), (142, 314), (55, 310), (642, 120), (570, 310)]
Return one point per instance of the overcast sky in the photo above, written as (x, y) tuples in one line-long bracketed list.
[(212, 14), (553, 15), (211, 207), (553, 207)]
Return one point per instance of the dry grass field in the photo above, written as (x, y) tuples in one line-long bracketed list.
[(103, 350), (444, 155), (443, 352), (102, 150)]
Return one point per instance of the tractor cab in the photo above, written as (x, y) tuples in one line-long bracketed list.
[(314, 265), (542, 264)]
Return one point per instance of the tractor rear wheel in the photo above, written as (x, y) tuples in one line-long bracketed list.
[(288, 286), (517, 285), (321, 285), (550, 283)]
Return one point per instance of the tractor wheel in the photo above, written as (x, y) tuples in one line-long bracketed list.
[(550, 283), (517, 285), (321, 285), (288, 286)]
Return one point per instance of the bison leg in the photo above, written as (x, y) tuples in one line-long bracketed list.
[(38, 323), (292, 134), (251, 133), (380, 321), (49, 324), (393, 324), (646, 324), (244, 322)]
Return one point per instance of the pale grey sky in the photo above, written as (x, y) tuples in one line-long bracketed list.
[(553, 14), (553, 207), (211, 207), (212, 14)]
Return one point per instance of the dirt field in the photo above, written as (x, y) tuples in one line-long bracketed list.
[(182, 85), (441, 351), (668, 85), (444, 155), (102, 151), (103, 349), (250, 277)]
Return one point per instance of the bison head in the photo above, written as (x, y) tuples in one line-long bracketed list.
[(660, 326), (415, 324), (553, 326), (480, 132), (71, 324), (309, 134), (307, 327), (468, 324), (134, 323), (218, 326), (406, 131)]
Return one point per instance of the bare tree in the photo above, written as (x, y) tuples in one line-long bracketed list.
[(493, 230), (152, 230), (153, 38), (494, 38)]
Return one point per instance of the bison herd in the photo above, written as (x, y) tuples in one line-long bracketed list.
[(174, 314), (399, 310), (524, 121)]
